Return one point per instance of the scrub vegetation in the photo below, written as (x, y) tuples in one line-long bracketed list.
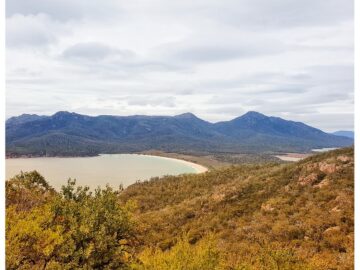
[(260, 216)]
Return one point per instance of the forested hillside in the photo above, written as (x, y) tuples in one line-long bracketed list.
[(72, 134), (272, 216)]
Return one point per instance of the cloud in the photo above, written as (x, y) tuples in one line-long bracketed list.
[(63, 10), (216, 59), (93, 51), (31, 30), (213, 53), (255, 14), (168, 101), (241, 13), (110, 61)]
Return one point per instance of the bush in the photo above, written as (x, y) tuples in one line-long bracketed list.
[(74, 229), (183, 256)]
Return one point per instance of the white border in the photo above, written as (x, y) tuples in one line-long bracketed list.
[(2, 135), (2, 131), (357, 131)]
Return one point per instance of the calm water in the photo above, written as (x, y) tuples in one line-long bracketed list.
[(98, 171), (324, 149)]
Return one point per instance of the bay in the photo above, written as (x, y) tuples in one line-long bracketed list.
[(112, 169)]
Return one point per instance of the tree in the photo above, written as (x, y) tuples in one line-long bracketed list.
[(73, 229)]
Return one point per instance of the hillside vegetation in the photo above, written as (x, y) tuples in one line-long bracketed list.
[(273, 216), (71, 134)]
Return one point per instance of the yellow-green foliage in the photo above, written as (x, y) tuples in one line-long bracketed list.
[(201, 256), (74, 229), (30, 240), (205, 255)]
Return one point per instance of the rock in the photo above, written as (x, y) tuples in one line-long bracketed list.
[(342, 202), (308, 180), (332, 230), (323, 183), (343, 158), (267, 207), (327, 168), (218, 197), (311, 166), (338, 198), (336, 209)]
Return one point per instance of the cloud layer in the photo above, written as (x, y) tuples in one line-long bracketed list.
[(217, 59)]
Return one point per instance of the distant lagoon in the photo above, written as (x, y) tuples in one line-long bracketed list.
[(324, 149), (298, 156), (112, 169)]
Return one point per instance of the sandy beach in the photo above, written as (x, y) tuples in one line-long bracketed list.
[(293, 156), (197, 167)]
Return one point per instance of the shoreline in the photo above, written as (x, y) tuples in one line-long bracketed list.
[(199, 168), (293, 157), (199, 165)]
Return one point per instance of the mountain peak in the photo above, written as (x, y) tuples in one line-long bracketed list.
[(62, 113), (186, 115), (250, 116), (28, 114), (23, 118), (253, 114), (65, 114)]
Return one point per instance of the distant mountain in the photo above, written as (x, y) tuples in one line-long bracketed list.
[(24, 118), (69, 134), (344, 133)]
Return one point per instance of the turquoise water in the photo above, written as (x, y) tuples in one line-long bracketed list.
[(114, 169)]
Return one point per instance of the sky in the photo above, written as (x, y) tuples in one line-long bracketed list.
[(217, 59)]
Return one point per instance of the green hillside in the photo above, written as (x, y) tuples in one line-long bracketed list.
[(287, 216)]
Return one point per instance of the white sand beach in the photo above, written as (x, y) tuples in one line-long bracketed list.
[(199, 168)]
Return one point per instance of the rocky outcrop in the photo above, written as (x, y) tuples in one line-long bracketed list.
[(326, 167), (308, 179), (344, 159), (316, 173), (323, 183)]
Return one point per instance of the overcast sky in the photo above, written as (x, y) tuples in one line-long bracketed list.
[(216, 59)]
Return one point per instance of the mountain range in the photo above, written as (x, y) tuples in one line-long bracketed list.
[(344, 133), (72, 134)]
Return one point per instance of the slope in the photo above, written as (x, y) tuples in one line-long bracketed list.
[(294, 216)]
